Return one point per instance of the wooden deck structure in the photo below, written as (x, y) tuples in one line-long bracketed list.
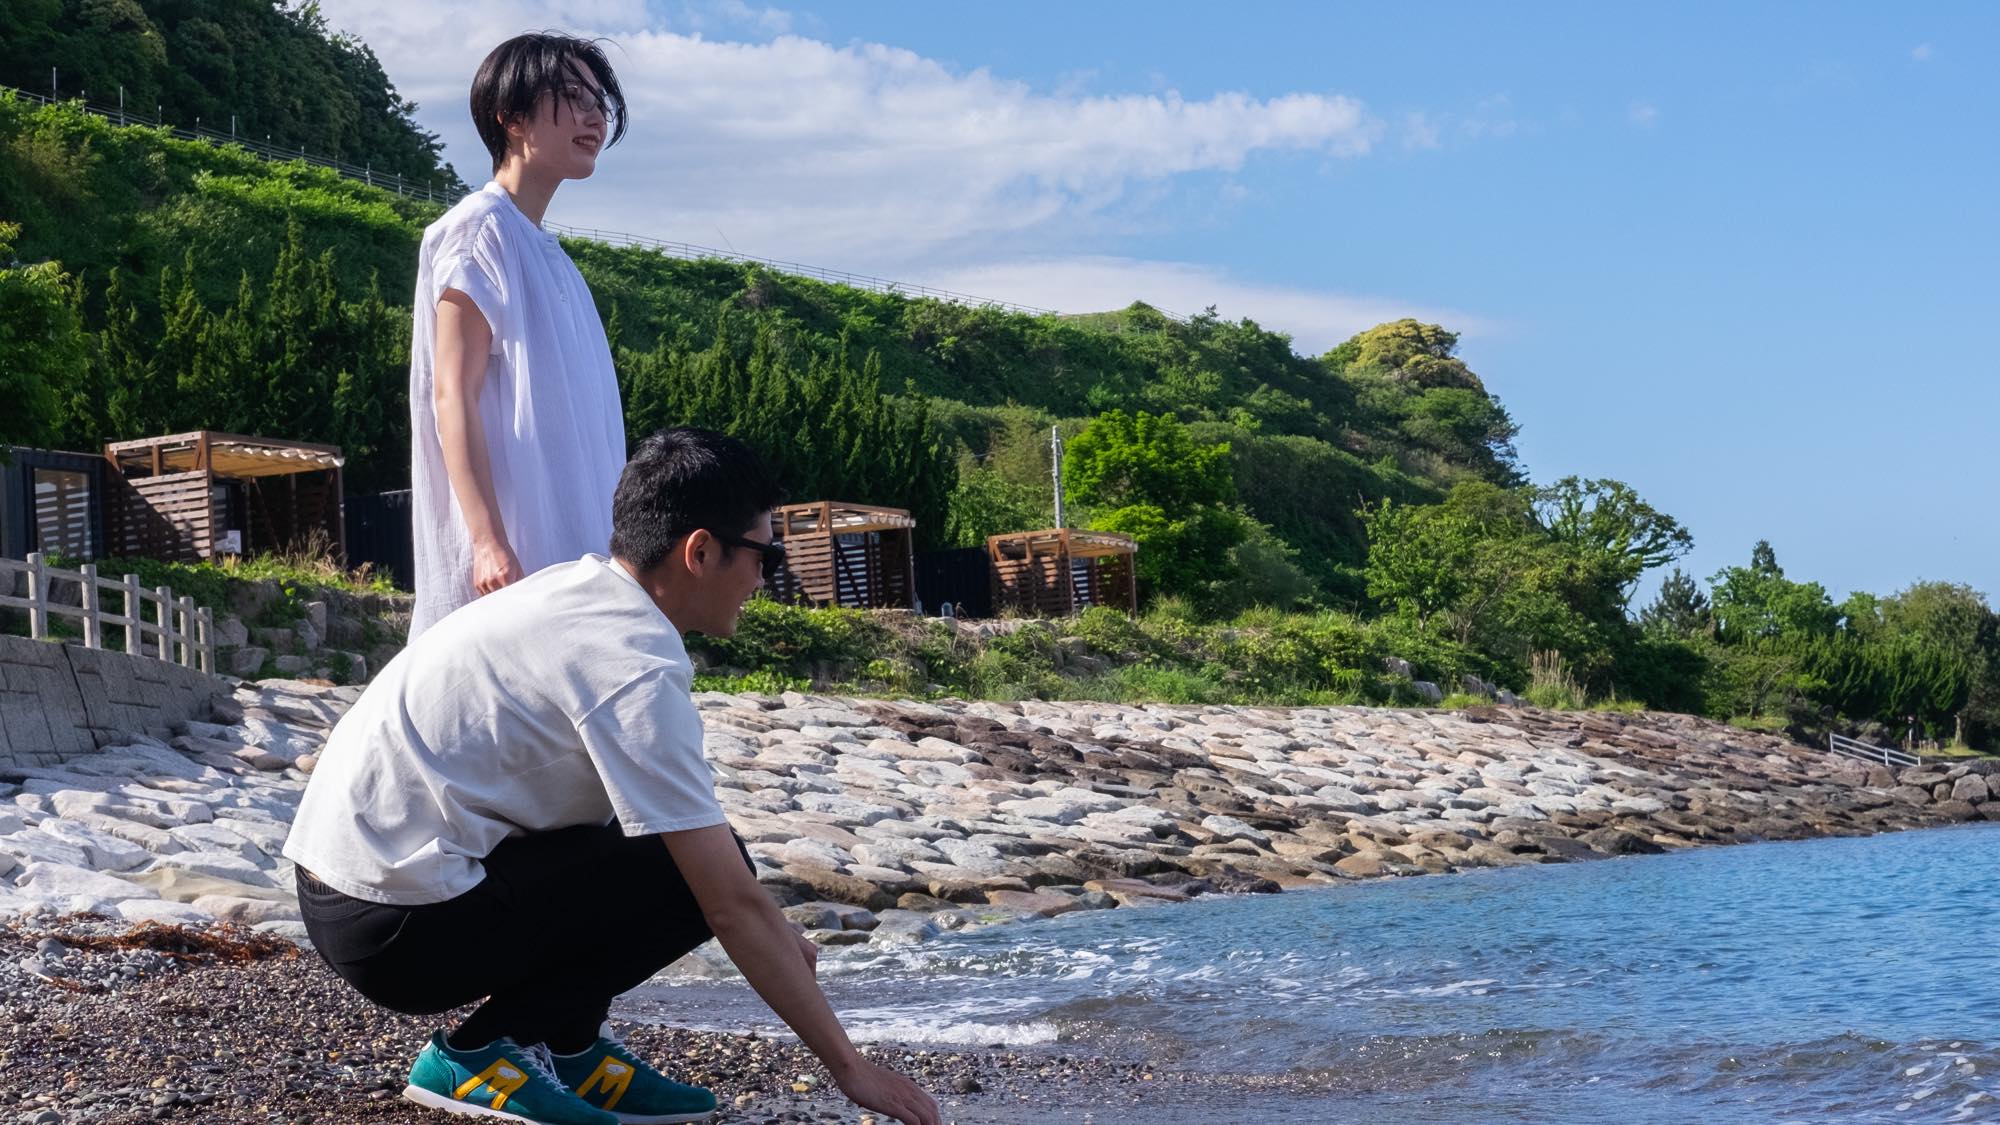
[(853, 555), (1056, 572), (179, 496)]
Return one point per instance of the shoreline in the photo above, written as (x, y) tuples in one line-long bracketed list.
[(875, 823), (888, 822), (133, 1035)]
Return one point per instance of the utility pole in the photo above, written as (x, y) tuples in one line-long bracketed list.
[(1055, 468)]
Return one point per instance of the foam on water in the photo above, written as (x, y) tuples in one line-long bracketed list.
[(1806, 981)]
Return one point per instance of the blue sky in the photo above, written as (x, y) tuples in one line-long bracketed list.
[(1739, 256)]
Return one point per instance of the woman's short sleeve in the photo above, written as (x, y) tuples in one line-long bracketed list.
[(470, 261)]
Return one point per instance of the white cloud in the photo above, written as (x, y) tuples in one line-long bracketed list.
[(1921, 52), (797, 147), (1316, 319), (874, 159), (1643, 114)]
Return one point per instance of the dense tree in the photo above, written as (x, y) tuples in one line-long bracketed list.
[(1604, 521), (820, 420), (42, 345), (1680, 608), (1407, 380), (1123, 459), (274, 65), (1758, 602)]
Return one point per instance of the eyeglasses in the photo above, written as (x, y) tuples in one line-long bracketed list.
[(774, 553), (581, 99)]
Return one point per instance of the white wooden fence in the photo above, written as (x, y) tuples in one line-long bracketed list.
[(182, 632)]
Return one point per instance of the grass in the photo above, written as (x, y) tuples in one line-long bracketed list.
[(1763, 724)]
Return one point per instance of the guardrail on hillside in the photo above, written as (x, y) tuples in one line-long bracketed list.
[(1866, 752), (430, 192), (182, 632)]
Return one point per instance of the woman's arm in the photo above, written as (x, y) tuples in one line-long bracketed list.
[(464, 340)]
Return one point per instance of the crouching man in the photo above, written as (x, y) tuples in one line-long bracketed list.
[(517, 813)]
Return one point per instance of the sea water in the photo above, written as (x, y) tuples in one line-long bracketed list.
[(1836, 979)]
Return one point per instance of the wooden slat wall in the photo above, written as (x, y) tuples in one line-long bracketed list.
[(862, 570), (1051, 586), (166, 517), (1033, 586), (283, 511)]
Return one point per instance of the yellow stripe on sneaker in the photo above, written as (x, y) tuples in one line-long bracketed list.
[(610, 1078), (503, 1077)]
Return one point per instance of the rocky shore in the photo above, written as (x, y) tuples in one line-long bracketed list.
[(875, 823), (890, 821), (116, 1027)]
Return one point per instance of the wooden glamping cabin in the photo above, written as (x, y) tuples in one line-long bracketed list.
[(852, 555), (196, 496), (1057, 572)]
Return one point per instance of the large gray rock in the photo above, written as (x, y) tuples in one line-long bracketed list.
[(1971, 788), (246, 911), (218, 865), (230, 632), (32, 845), (105, 851), (214, 837), (55, 880), (1230, 828), (247, 661), (903, 927)]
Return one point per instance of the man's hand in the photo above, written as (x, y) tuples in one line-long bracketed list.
[(743, 918), (494, 566), (811, 951), (884, 1091)]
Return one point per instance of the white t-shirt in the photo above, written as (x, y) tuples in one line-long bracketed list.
[(560, 700), (555, 430)]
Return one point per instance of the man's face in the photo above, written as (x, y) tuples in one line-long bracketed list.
[(567, 129), (729, 580)]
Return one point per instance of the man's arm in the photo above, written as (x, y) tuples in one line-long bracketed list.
[(763, 945), (464, 341)]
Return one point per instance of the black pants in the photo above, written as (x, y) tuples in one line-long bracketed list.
[(563, 923)]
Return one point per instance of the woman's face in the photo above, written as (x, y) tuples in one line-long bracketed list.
[(567, 130)]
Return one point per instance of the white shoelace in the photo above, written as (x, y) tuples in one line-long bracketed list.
[(539, 1059)]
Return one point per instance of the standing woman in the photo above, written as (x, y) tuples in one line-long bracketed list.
[(516, 428)]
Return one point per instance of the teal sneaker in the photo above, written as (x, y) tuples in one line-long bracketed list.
[(609, 1076), (502, 1080)]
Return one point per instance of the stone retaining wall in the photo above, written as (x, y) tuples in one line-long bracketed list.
[(59, 700)]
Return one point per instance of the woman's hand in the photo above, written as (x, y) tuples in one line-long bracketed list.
[(494, 566), (811, 952)]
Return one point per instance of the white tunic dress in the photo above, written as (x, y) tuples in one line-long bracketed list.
[(555, 430)]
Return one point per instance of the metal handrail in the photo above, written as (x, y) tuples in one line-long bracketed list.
[(1867, 752), (431, 193)]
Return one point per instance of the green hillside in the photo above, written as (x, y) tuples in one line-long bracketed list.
[(222, 290), (1311, 514), (269, 64)]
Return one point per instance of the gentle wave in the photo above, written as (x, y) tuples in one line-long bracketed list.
[(1820, 980)]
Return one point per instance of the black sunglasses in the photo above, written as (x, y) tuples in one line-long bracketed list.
[(774, 553)]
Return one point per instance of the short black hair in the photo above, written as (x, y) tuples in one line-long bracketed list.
[(684, 479), (517, 73)]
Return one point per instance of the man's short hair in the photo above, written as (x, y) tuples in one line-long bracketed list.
[(684, 479), (516, 74)]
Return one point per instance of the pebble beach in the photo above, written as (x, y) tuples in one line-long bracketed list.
[(150, 969)]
